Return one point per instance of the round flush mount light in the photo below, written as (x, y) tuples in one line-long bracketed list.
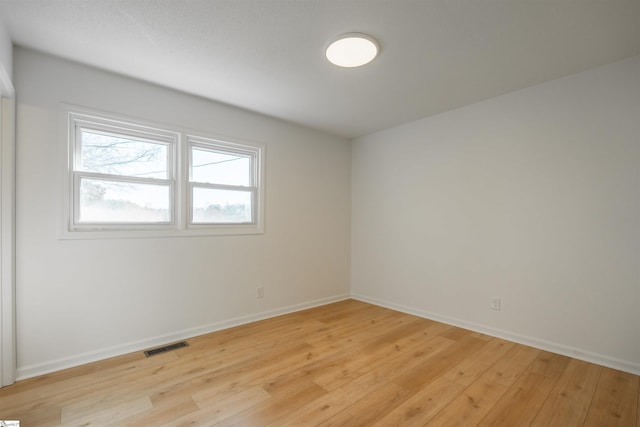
[(352, 50)]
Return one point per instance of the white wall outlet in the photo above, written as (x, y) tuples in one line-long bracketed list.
[(495, 303), (260, 292)]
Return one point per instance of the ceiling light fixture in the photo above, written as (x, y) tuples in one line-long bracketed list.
[(352, 50)]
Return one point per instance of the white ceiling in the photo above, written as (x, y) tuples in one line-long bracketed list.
[(268, 55)]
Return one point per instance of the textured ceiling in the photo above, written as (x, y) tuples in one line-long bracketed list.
[(267, 55)]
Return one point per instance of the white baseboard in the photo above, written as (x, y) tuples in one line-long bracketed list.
[(93, 356), (599, 359)]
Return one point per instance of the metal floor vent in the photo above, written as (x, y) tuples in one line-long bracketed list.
[(158, 350)]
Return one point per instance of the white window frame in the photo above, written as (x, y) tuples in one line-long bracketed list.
[(179, 142), (78, 123), (225, 147)]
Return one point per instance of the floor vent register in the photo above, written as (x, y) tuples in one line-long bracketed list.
[(164, 349)]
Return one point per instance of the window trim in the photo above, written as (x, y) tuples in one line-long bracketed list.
[(179, 141)]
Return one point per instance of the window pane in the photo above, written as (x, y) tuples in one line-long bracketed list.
[(119, 155), (220, 168), (123, 202), (211, 206)]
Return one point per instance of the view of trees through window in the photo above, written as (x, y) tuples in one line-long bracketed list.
[(128, 180)]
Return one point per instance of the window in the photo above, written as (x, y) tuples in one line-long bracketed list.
[(223, 182), (122, 176), (126, 179)]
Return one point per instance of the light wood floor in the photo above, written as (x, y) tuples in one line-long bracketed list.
[(348, 364)]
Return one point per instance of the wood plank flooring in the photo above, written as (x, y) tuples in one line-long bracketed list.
[(343, 364)]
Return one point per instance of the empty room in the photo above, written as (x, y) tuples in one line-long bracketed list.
[(320, 213)]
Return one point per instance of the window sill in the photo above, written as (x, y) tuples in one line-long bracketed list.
[(226, 230)]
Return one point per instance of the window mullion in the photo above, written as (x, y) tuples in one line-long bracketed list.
[(223, 186), (123, 178)]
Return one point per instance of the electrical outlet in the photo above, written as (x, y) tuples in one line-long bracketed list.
[(260, 292), (495, 303)]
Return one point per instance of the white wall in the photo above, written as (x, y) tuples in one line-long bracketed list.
[(80, 300), (7, 288), (533, 197), (6, 62)]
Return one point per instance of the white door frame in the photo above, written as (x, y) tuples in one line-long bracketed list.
[(7, 234)]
